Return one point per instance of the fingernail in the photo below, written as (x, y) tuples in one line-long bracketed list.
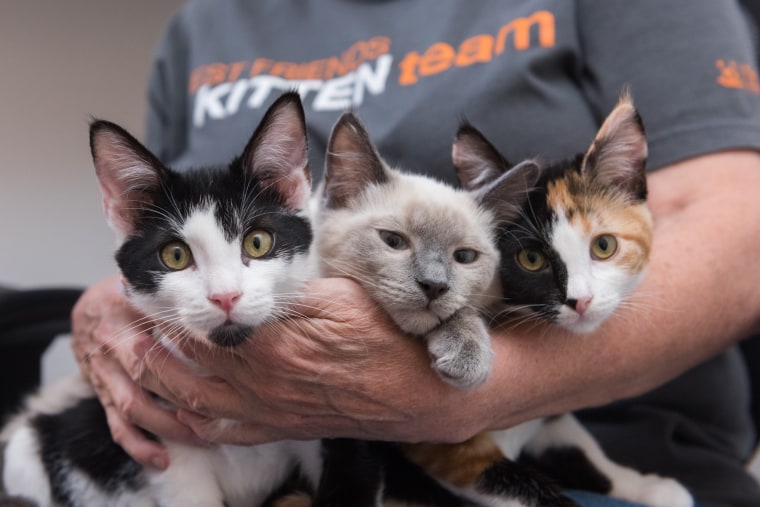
[(202, 443), (160, 463)]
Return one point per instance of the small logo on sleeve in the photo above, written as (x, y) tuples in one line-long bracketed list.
[(741, 76)]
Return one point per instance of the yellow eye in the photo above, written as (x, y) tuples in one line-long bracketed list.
[(176, 255), (530, 259), (603, 247), (258, 243)]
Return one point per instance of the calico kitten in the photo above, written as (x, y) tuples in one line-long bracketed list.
[(421, 249), (207, 255), (581, 243), (570, 255)]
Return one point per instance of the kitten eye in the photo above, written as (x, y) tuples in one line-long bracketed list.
[(258, 243), (531, 260), (465, 256), (393, 240), (603, 247), (176, 255)]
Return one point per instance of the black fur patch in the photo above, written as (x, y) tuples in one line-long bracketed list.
[(572, 469), (544, 291), (79, 437), (356, 471), (241, 206), (521, 482), (15, 501), (351, 474), (230, 335)]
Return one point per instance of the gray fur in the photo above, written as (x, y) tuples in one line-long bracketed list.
[(426, 291)]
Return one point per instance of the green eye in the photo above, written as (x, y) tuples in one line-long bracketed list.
[(258, 243), (531, 260), (176, 256), (603, 247), (393, 240)]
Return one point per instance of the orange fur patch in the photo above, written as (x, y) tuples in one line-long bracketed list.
[(595, 211), (459, 464), (294, 500)]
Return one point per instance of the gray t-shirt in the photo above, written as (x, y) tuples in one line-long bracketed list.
[(537, 77)]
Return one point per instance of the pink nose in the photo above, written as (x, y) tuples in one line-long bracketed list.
[(225, 301), (582, 304)]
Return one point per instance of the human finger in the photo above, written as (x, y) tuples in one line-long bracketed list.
[(184, 386), (246, 434), (143, 450), (87, 315)]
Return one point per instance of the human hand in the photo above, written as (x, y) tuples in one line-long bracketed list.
[(108, 337), (335, 366)]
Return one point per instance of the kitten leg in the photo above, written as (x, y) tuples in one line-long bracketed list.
[(506, 480), (461, 349), (351, 475), (563, 446)]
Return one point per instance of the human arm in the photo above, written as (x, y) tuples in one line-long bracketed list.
[(347, 372)]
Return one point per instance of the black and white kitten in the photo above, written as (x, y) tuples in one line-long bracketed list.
[(206, 255)]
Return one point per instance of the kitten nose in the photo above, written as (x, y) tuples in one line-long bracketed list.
[(579, 305), (225, 301), (433, 289)]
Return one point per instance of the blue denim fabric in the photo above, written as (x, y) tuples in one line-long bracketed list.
[(586, 499)]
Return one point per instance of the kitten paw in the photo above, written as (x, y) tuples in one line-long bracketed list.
[(657, 491), (460, 359)]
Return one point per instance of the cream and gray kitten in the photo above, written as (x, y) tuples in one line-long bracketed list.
[(423, 251)]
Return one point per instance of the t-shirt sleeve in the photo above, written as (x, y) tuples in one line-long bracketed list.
[(690, 65), (166, 129)]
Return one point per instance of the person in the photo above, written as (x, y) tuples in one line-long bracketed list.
[(537, 77)]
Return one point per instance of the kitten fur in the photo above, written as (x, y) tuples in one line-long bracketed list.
[(572, 204), (576, 285), (554, 210), (208, 255), (399, 235), (421, 249)]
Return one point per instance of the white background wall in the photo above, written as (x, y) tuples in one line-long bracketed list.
[(61, 63)]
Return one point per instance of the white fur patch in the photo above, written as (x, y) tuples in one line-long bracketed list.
[(23, 473), (237, 476), (264, 286), (603, 282)]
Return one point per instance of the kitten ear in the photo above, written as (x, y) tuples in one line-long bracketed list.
[(277, 152), (127, 173), (618, 154), (476, 161), (505, 196), (352, 162)]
